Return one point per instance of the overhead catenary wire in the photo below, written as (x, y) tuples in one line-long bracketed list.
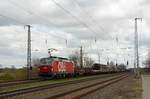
[(90, 17), (22, 23), (32, 13), (43, 17), (17, 5), (76, 18), (13, 19), (46, 19)]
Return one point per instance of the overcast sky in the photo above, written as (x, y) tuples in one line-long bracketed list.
[(100, 26)]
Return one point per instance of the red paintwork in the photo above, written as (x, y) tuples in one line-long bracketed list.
[(57, 66), (44, 69), (69, 67), (63, 66)]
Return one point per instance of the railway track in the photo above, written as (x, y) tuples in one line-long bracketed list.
[(86, 90), (40, 88), (11, 83)]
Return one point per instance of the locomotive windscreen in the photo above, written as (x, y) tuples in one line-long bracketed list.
[(45, 61)]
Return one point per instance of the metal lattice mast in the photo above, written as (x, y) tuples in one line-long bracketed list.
[(81, 57), (136, 49), (29, 52)]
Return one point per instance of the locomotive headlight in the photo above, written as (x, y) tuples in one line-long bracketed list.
[(38, 69)]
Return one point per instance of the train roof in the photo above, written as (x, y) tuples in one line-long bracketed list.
[(99, 64), (55, 57)]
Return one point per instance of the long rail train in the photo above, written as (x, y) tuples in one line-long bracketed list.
[(62, 67)]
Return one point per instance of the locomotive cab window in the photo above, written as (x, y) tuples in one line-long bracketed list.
[(46, 61)]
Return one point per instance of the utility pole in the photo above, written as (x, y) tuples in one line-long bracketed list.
[(108, 61), (136, 49), (81, 57), (99, 61), (29, 52)]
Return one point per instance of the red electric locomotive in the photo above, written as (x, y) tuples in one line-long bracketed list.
[(56, 67)]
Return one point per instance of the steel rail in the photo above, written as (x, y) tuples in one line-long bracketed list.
[(116, 79), (11, 83), (38, 88)]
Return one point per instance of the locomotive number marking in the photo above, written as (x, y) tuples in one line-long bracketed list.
[(61, 67)]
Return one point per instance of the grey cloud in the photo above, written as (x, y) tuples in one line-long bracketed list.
[(108, 19)]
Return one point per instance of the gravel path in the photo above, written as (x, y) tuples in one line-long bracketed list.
[(114, 91)]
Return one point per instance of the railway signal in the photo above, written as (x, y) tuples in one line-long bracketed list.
[(127, 63)]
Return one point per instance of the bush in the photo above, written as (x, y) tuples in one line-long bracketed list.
[(6, 77), (17, 74)]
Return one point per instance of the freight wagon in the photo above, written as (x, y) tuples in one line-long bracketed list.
[(101, 68)]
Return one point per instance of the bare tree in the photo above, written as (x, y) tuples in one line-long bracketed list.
[(111, 63), (75, 58), (122, 66), (88, 62)]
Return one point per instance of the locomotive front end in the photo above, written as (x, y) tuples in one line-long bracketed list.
[(45, 68)]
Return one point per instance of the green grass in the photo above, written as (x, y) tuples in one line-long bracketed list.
[(28, 85), (6, 77), (137, 88), (145, 71), (16, 74)]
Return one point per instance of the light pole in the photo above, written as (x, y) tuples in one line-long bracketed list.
[(99, 56)]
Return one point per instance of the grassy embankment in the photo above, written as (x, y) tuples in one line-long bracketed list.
[(137, 84), (145, 71), (8, 74), (137, 88)]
